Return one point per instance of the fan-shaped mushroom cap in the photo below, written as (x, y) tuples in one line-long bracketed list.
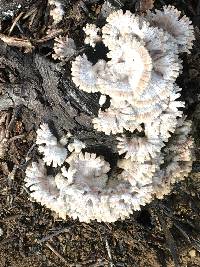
[(53, 154), (90, 170), (138, 148), (139, 75), (92, 36), (53, 151), (57, 12), (180, 29), (84, 74), (81, 190), (76, 146), (178, 159), (128, 72), (122, 25), (45, 136), (114, 120), (136, 173), (43, 187), (64, 48)]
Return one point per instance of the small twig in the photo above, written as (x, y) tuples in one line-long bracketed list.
[(33, 15), (15, 22), (10, 122), (56, 253), (109, 254), (27, 158), (46, 238), (170, 241), (26, 190), (97, 264), (15, 138), (49, 36), (4, 168), (29, 13), (194, 242), (20, 29), (18, 42)]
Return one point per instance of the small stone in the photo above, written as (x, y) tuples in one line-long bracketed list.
[(192, 253)]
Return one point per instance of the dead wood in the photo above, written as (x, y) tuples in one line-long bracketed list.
[(45, 93)]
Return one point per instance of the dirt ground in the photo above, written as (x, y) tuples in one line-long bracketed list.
[(163, 234)]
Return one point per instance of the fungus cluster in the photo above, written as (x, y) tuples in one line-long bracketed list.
[(57, 12), (64, 48), (154, 143)]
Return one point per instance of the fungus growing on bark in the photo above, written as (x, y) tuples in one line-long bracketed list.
[(64, 48), (154, 144), (52, 150), (179, 28), (92, 36), (57, 11), (84, 189)]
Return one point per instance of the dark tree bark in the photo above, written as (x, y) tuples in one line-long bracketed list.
[(45, 94)]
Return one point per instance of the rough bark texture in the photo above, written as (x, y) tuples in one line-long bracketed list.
[(42, 87)]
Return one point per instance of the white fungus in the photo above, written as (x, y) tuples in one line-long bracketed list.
[(53, 151), (92, 36), (57, 11), (64, 48), (154, 143), (76, 146), (179, 28), (85, 190)]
